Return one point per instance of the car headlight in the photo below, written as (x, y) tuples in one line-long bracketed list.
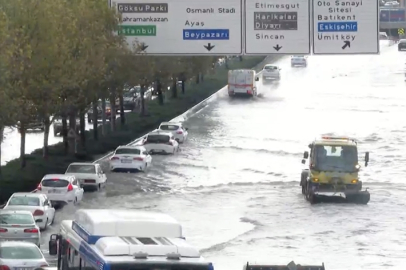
[(316, 180)]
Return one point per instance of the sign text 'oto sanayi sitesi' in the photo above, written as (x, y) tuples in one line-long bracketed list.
[(277, 27), (345, 27), (182, 27)]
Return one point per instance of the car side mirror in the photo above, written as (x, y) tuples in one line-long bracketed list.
[(305, 155), (303, 161), (53, 245), (38, 220), (257, 79), (366, 159)]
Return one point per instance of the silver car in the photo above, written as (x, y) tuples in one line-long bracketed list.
[(21, 256), (18, 226)]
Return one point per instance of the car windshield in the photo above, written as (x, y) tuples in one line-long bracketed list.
[(56, 183), (20, 253), (169, 127), (336, 158), (158, 138), (81, 169), (16, 218), (24, 200), (270, 68), (129, 151)]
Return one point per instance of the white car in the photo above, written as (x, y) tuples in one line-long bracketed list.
[(90, 175), (61, 189), (160, 142), (298, 60), (271, 72), (17, 255), (19, 226), (128, 158), (178, 131), (37, 203)]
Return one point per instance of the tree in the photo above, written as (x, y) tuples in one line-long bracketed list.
[(7, 101)]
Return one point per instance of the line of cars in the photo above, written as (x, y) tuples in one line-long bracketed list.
[(25, 215), (242, 82), (137, 157)]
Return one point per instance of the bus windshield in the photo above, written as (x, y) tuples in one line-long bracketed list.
[(159, 266), (336, 158)]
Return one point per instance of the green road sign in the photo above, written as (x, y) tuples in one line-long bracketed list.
[(137, 30), (401, 31)]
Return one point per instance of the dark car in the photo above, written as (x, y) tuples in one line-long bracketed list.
[(129, 100), (99, 111), (402, 45), (34, 124)]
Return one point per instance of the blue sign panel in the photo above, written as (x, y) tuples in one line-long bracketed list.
[(392, 15), (206, 34), (337, 26)]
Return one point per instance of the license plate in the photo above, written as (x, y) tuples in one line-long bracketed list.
[(126, 161), (54, 191), (23, 268)]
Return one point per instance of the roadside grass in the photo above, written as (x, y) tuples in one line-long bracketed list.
[(14, 179)]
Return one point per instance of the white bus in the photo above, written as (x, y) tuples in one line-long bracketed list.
[(124, 240)]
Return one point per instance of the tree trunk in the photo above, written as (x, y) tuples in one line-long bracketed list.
[(103, 116), (1, 142), (174, 88), (65, 134), (47, 124), (82, 129), (183, 87), (159, 90), (22, 144), (113, 112), (72, 126), (122, 114), (142, 98), (94, 120)]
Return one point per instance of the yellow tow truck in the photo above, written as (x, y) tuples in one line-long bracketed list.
[(332, 171)]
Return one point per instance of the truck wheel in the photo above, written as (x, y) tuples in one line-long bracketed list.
[(309, 194)]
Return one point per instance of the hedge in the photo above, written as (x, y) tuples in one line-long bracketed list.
[(14, 179)]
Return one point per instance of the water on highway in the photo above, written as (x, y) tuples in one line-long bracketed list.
[(235, 184)]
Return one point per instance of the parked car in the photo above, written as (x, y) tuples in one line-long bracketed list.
[(17, 225), (37, 204), (99, 111)]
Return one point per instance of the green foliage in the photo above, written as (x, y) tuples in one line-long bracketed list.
[(14, 179)]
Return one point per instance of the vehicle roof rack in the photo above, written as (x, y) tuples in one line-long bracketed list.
[(290, 266)]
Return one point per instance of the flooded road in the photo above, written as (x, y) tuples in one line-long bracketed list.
[(235, 183)]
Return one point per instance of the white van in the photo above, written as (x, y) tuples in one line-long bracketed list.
[(242, 82)]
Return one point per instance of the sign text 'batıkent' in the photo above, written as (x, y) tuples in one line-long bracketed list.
[(277, 27), (182, 27), (345, 27)]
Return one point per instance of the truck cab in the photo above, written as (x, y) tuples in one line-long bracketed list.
[(332, 168)]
